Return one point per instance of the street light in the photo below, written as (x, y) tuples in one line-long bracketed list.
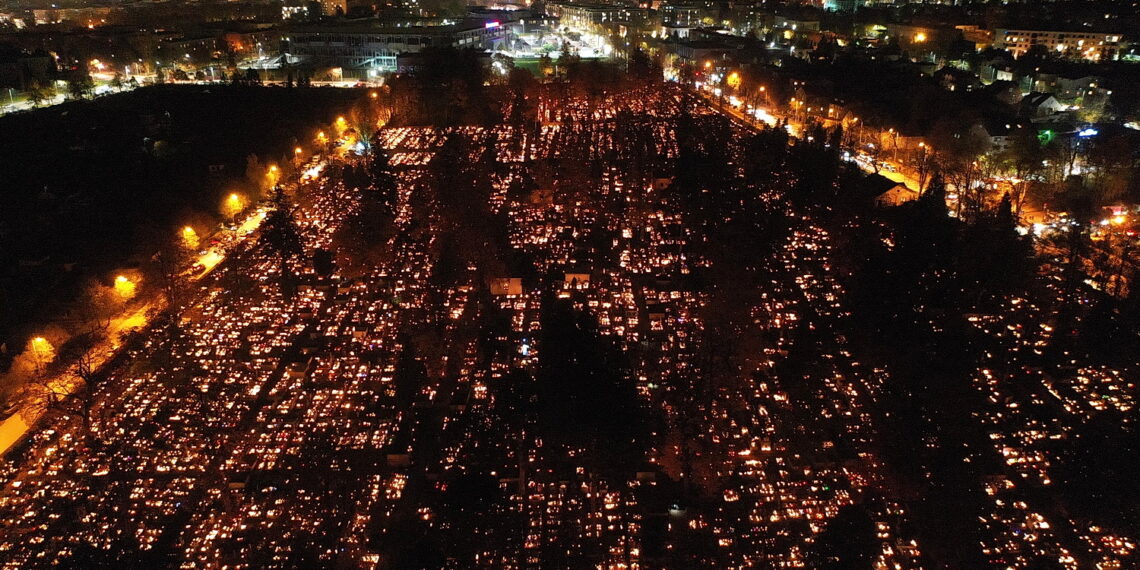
[(232, 205), (124, 287), (767, 98), (921, 166), (272, 174), (847, 131), (189, 238), (42, 351)]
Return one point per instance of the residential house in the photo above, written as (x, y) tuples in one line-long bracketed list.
[(886, 192), (954, 79), (1066, 85), (1037, 105), (1005, 91)]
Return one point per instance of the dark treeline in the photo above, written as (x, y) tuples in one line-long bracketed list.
[(914, 276), (585, 398), (96, 187), (451, 87)]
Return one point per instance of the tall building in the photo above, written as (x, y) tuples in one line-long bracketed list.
[(331, 7)]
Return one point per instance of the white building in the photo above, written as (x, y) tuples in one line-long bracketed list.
[(1095, 46)]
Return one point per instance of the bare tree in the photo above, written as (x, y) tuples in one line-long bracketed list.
[(60, 397)]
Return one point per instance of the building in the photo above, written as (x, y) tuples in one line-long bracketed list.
[(188, 50), (954, 79), (746, 18), (1094, 46), (506, 286), (675, 32), (1039, 105), (1005, 91), (998, 130), (707, 55), (884, 191), (333, 7), (92, 16), (922, 39), (1067, 85), (685, 15), (20, 70), (980, 37), (795, 24), (364, 50), (252, 43), (596, 16), (843, 5)]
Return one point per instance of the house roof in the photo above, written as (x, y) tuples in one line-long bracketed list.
[(1036, 99), (1001, 84), (875, 185), (955, 73)]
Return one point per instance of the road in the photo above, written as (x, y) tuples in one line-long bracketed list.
[(57, 99), (897, 172)]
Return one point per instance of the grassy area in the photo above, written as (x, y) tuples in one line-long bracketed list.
[(531, 64)]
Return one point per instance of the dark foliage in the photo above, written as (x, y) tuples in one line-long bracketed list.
[(586, 399)]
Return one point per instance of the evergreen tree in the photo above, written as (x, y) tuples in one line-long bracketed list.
[(280, 236)]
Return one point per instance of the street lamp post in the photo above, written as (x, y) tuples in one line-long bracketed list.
[(922, 172), (847, 136), (40, 347)]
